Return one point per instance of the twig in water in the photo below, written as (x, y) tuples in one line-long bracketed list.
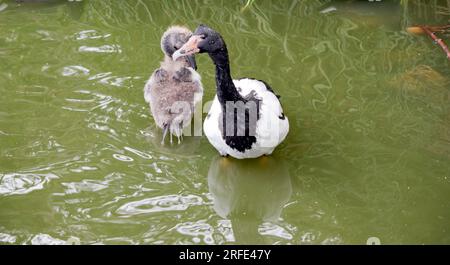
[(429, 30), (419, 30), (437, 40)]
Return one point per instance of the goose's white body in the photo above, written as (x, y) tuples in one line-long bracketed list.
[(271, 128)]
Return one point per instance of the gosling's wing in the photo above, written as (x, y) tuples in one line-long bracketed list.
[(157, 80), (183, 75)]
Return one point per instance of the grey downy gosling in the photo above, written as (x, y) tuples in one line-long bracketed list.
[(174, 89)]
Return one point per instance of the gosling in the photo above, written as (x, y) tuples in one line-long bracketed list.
[(174, 89)]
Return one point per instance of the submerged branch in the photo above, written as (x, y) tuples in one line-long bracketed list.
[(437, 40), (429, 30), (420, 30)]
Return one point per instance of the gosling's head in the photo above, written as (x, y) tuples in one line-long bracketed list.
[(173, 39)]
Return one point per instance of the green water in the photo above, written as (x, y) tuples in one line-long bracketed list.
[(368, 153)]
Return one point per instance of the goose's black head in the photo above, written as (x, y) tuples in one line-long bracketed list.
[(203, 40), (173, 39)]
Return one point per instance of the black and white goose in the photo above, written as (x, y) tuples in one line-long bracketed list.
[(254, 122)]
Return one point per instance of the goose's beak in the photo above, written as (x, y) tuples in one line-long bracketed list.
[(191, 61), (189, 48)]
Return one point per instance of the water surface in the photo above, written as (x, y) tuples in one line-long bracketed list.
[(368, 153)]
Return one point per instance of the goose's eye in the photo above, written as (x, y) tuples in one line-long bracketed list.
[(203, 36)]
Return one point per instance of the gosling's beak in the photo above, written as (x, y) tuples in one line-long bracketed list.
[(191, 60), (189, 48)]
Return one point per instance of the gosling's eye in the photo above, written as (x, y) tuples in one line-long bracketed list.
[(175, 47), (203, 36)]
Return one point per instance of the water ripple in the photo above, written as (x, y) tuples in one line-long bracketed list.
[(160, 204), (74, 70), (197, 229), (123, 158), (17, 183), (85, 185), (7, 238), (115, 48), (90, 34), (270, 229), (44, 239), (138, 153)]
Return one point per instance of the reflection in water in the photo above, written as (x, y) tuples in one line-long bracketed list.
[(159, 204), (250, 192)]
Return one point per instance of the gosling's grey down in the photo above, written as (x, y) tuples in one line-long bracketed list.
[(175, 88)]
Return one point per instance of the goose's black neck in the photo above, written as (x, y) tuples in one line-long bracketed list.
[(226, 91)]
